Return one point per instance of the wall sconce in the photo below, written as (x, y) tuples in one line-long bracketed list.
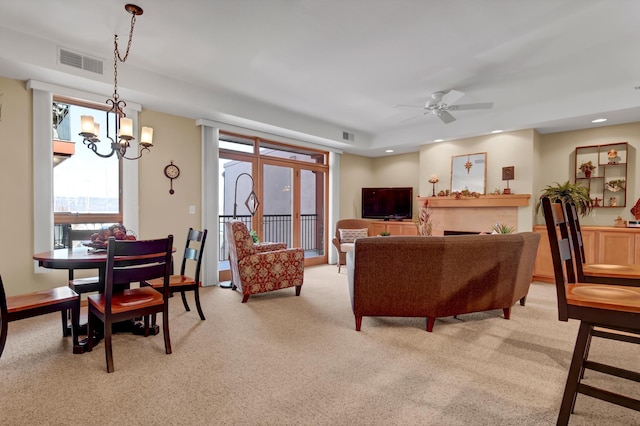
[(252, 201)]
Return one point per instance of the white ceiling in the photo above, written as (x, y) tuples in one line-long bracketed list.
[(310, 69)]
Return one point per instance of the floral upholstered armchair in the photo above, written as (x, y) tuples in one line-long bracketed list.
[(258, 268)]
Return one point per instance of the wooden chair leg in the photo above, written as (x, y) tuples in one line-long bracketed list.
[(90, 330), (66, 331), (245, 298), (3, 335), (523, 300), (298, 288), (165, 330), (573, 378), (358, 323), (107, 347), (197, 296), (75, 327), (184, 301)]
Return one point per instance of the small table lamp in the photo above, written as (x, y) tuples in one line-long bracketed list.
[(433, 180)]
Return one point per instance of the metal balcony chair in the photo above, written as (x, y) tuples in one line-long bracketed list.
[(613, 309)]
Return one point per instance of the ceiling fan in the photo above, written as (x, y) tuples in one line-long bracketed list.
[(441, 102)]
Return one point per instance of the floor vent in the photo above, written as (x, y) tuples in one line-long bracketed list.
[(76, 60)]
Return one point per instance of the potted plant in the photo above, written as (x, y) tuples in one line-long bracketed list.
[(501, 228), (587, 167), (566, 192), (385, 233)]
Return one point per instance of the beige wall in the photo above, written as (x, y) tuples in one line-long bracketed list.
[(557, 164), (175, 138), (357, 172)]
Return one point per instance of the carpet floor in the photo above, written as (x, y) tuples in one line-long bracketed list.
[(285, 360)]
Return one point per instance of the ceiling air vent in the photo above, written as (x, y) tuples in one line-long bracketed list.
[(76, 60), (348, 136)]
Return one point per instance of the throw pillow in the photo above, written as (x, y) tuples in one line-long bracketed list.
[(349, 235)]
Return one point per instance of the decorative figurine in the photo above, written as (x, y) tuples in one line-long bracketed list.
[(612, 155), (613, 202)]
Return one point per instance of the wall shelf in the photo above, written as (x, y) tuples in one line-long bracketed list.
[(611, 167)]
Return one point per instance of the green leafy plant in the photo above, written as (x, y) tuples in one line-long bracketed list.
[(568, 192), (616, 185), (385, 233), (501, 228), (586, 166), (254, 236)]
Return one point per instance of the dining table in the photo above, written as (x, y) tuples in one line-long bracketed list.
[(87, 258)]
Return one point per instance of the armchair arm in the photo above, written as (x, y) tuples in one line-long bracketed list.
[(265, 247)]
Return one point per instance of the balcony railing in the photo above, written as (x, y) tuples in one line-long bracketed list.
[(278, 228)]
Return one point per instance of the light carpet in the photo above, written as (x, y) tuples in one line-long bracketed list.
[(285, 360)]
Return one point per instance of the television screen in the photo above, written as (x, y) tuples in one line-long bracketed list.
[(387, 203)]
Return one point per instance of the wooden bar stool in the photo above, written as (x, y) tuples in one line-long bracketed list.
[(613, 309)]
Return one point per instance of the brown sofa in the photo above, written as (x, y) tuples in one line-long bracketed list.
[(439, 276)]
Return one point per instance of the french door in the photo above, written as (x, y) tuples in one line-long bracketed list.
[(294, 206)]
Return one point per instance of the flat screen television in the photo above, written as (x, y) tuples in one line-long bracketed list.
[(387, 203)]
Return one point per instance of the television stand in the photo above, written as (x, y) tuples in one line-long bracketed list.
[(394, 227)]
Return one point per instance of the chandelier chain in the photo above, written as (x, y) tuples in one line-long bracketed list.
[(117, 57)]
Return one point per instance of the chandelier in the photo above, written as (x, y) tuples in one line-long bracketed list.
[(90, 130)]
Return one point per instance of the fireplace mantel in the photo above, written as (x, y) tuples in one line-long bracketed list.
[(474, 214), (512, 200)]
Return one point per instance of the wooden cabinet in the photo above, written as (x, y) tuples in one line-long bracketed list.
[(602, 244), (394, 228), (607, 182), (616, 247)]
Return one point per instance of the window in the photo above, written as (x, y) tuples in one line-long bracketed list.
[(86, 187)]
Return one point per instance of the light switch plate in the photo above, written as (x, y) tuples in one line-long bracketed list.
[(192, 209)]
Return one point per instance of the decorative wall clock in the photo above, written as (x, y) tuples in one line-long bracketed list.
[(172, 172)]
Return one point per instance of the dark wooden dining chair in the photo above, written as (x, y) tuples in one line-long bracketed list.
[(604, 310), (129, 262), (600, 273), (79, 285), (193, 252), (36, 303)]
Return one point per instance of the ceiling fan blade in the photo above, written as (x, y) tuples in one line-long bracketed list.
[(484, 105), (445, 116), (411, 118), (407, 106), (451, 97)]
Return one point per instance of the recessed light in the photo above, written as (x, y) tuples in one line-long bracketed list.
[(438, 140), (389, 150), (497, 131), (599, 120)]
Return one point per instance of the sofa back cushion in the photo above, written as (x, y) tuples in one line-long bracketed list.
[(350, 235)]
